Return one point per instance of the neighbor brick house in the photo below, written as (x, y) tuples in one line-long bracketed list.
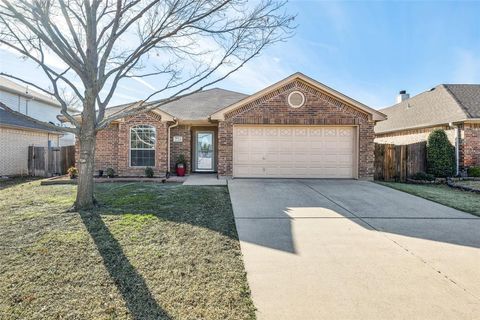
[(454, 108), (16, 135), (297, 127)]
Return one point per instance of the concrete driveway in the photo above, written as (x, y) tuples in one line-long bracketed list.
[(340, 249)]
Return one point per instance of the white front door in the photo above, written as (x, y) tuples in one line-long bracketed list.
[(294, 151)]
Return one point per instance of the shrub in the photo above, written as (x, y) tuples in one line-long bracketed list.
[(473, 172), (181, 161), (440, 155), (423, 176), (110, 172), (149, 172), (72, 172)]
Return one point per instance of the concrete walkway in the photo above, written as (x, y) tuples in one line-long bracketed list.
[(339, 249), (204, 179)]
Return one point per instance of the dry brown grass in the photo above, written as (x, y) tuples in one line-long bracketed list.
[(149, 252)]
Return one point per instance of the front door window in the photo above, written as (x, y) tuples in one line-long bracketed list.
[(204, 151)]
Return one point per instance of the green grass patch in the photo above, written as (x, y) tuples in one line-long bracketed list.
[(150, 251), (458, 199)]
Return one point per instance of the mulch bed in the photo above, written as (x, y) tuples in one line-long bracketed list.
[(453, 183), (66, 180)]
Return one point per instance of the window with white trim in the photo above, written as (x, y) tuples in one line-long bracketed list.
[(142, 146)]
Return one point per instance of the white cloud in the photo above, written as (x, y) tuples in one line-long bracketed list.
[(145, 83), (258, 74)]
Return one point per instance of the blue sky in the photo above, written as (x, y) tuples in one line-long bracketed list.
[(367, 50)]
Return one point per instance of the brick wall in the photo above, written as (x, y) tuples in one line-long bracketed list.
[(113, 146), (184, 147), (471, 145), (14, 145), (106, 152), (319, 109)]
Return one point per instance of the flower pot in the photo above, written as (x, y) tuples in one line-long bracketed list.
[(180, 170)]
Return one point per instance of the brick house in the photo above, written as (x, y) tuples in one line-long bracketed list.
[(454, 108), (16, 135), (297, 127)]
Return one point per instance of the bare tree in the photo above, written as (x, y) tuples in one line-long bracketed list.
[(184, 45)]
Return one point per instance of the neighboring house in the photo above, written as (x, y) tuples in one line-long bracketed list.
[(452, 107), (17, 133), (297, 127), (33, 104)]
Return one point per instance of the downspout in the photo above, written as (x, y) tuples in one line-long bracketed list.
[(168, 147), (457, 147)]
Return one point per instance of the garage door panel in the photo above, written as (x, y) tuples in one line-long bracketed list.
[(242, 158), (294, 151)]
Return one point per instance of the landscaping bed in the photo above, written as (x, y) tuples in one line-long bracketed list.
[(465, 184), (66, 180), (150, 251)]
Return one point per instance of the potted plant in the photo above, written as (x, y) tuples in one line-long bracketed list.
[(110, 172), (180, 165), (72, 172), (149, 172)]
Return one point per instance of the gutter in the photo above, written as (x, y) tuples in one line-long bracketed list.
[(457, 147), (168, 146)]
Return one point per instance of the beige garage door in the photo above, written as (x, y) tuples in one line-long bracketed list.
[(294, 151)]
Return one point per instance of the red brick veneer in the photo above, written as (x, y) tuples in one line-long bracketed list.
[(319, 109)]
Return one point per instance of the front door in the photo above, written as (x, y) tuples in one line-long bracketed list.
[(204, 151)]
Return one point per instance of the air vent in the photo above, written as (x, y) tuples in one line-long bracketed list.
[(296, 99)]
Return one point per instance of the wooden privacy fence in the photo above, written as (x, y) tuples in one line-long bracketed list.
[(399, 162), (47, 162)]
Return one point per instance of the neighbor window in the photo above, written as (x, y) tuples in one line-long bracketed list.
[(142, 146)]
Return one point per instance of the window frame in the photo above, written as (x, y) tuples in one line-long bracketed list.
[(130, 146)]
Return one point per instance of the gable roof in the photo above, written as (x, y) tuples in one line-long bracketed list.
[(441, 105), (201, 105), (12, 120), (376, 115), (468, 96), (196, 106)]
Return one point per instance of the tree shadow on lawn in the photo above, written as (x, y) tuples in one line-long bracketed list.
[(129, 282), (207, 207)]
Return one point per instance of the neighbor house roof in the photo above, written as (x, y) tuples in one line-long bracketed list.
[(376, 115), (8, 119), (442, 104), (468, 96), (15, 88)]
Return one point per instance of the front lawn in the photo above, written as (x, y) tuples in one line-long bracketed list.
[(151, 251), (461, 200)]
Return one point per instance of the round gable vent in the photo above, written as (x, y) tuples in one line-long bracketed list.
[(296, 99)]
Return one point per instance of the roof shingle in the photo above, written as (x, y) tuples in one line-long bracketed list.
[(196, 106), (443, 104), (9, 119)]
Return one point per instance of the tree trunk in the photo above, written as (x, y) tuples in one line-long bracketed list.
[(85, 199)]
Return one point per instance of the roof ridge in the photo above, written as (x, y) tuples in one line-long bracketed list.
[(467, 113), (218, 88), (413, 97)]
